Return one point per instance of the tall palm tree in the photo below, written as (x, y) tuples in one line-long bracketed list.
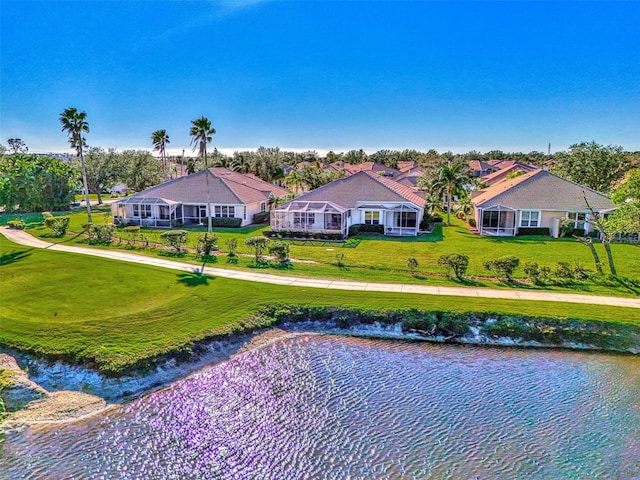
[(450, 179), (75, 123), (201, 133), (160, 139)]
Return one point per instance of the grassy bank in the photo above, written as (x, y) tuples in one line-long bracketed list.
[(113, 314), (375, 258)]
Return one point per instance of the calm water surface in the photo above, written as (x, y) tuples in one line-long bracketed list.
[(341, 408)]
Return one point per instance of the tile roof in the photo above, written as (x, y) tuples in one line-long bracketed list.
[(500, 175), (370, 167), (225, 187), (404, 165), (362, 187), (540, 190), (480, 166)]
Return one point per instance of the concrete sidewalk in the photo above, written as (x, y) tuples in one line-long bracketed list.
[(23, 238)]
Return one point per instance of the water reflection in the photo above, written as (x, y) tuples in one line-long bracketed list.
[(330, 407)]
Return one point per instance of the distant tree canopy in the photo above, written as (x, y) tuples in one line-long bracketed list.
[(31, 183), (592, 165)]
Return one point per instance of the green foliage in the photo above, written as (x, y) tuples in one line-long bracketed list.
[(503, 267), (132, 232), (57, 225), (629, 190), (563, 270), (31, 183), (340, 259), (365, 228), (175, 239), (262, 217), (18, 224), (139, 169), (226, 222), (280, 250), (592, 165), (456, 262), (99, 234), (540, 231), (472, 223), (205, 243), (259, 245), (625, 220), (412, 263)]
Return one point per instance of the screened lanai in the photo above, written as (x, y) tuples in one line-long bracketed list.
[(310, 217), (498, 221), (150, 212)]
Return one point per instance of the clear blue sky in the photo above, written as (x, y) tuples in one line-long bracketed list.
[(324, 75)]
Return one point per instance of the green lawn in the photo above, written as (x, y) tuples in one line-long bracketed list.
[(115, 314), (377, 258)]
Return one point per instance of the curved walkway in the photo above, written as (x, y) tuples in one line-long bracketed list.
[(23, 238)]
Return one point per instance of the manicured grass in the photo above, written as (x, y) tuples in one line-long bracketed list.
[(376, 258), (116, 314)]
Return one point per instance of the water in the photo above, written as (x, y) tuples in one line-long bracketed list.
[(316, 407)]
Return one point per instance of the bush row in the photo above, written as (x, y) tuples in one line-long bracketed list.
[(299, 234)]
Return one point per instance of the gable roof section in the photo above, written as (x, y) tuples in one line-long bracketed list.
[(225, 187), (541, 190), (500, 175), (362, 187)]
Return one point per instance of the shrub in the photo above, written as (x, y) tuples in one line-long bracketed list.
[(544, 231), (280, 250), (532, 269), (566, 227), (232, 245), (563, 270), (456, 262), (99, 234), (17, 223), (57, 225), (340, 259), (425, 222), (365, 228), (175, 239), (262, 217), (228, 222), (412, 263), (472, 222), (205, 243), (259, 245), (503, 267), (132, 233), (46, 215)]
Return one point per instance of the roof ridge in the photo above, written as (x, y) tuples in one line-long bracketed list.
[(383, 181)]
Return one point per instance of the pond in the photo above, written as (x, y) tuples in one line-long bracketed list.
[(335, 407)]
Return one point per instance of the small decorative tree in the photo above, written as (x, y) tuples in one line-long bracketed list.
[(412, 263), (205, 243), (259, 245), (132, 232), (280, 250), (175, 239), (503, 267), (340, 259), (456, 262), (232, 245)]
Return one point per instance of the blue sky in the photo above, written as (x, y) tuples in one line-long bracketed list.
[(324, 75)]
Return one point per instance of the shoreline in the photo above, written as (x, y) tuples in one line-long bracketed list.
[(61, 393)]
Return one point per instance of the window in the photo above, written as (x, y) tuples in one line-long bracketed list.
[(263, 207), (225, 211), (142, 211), (372, 217), (303, 218), (579, 219), (164, 212), (406, 219), (490, 219), (529, 218)]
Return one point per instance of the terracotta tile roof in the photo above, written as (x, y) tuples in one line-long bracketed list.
[(362, 187), (404, 165), (500, 175), (479, 166), (540, 190), (371, 167), (225, 187)]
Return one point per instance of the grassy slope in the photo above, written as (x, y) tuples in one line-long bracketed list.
[(116, 313), (381, 259)]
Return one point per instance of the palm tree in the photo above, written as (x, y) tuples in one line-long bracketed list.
[(450, 179), (201, 133), (75, 123), (160, 139)]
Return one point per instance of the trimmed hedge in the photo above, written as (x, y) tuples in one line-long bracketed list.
[(262, 217), (365, 228), (302, 235), (533, 231), (228, 222)]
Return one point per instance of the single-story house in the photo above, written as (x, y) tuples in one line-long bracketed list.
[(362, 198), (537, 199), (188, 200), (512, 170)]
